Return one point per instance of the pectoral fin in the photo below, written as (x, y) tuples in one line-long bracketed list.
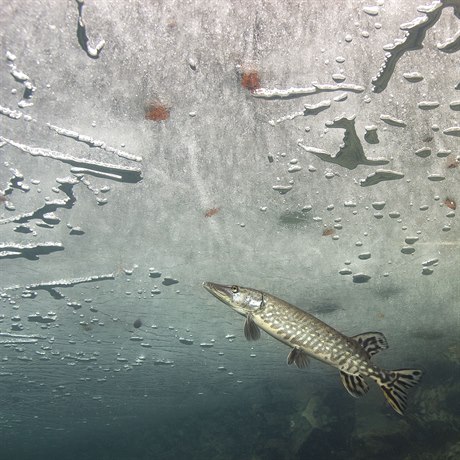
[(354, 384), (251, 330), (299, 357)]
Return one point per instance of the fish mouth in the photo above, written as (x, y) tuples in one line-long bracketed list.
[(220, 291)]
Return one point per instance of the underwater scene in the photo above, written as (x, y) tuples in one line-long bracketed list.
[(228, 230)]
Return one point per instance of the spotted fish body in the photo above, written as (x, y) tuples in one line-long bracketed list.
[(307, 336), (304, 332)]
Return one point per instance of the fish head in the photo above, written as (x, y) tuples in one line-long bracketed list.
[(241, 299)]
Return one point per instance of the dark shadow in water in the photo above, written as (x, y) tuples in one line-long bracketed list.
[(325, 425)]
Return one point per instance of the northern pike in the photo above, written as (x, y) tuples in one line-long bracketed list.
[(307, 336)]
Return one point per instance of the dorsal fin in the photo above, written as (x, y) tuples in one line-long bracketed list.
[(354, 384), (372, 342), (251, 330), (299, 357)]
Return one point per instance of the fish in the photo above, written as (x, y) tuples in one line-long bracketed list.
[(308, 337)]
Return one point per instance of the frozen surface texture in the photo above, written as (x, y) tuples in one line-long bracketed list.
[(308, 149)]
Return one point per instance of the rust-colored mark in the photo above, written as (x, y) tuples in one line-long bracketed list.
[(172, 23), (250, 80), (450, 203), (211, 212), (3, 198), (380, 315), (156, 111), (452, 163), (328, 231)]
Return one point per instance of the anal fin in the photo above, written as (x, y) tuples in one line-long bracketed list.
[(251, 330), (372, 342), (354, 384), (299, 357)]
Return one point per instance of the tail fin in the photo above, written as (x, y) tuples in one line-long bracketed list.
[(394, 385)]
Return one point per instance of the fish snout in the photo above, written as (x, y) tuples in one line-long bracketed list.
[(207, 285), (223, 292)]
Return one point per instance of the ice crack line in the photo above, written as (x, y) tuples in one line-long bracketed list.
[(414, 34), (116, 172)]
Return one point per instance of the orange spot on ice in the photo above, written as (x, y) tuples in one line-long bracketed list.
[(250, 80), (328, 232), (156, 111), (211, 212), (450, 203)]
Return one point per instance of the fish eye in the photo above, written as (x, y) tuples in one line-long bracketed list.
[(235, 289)]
